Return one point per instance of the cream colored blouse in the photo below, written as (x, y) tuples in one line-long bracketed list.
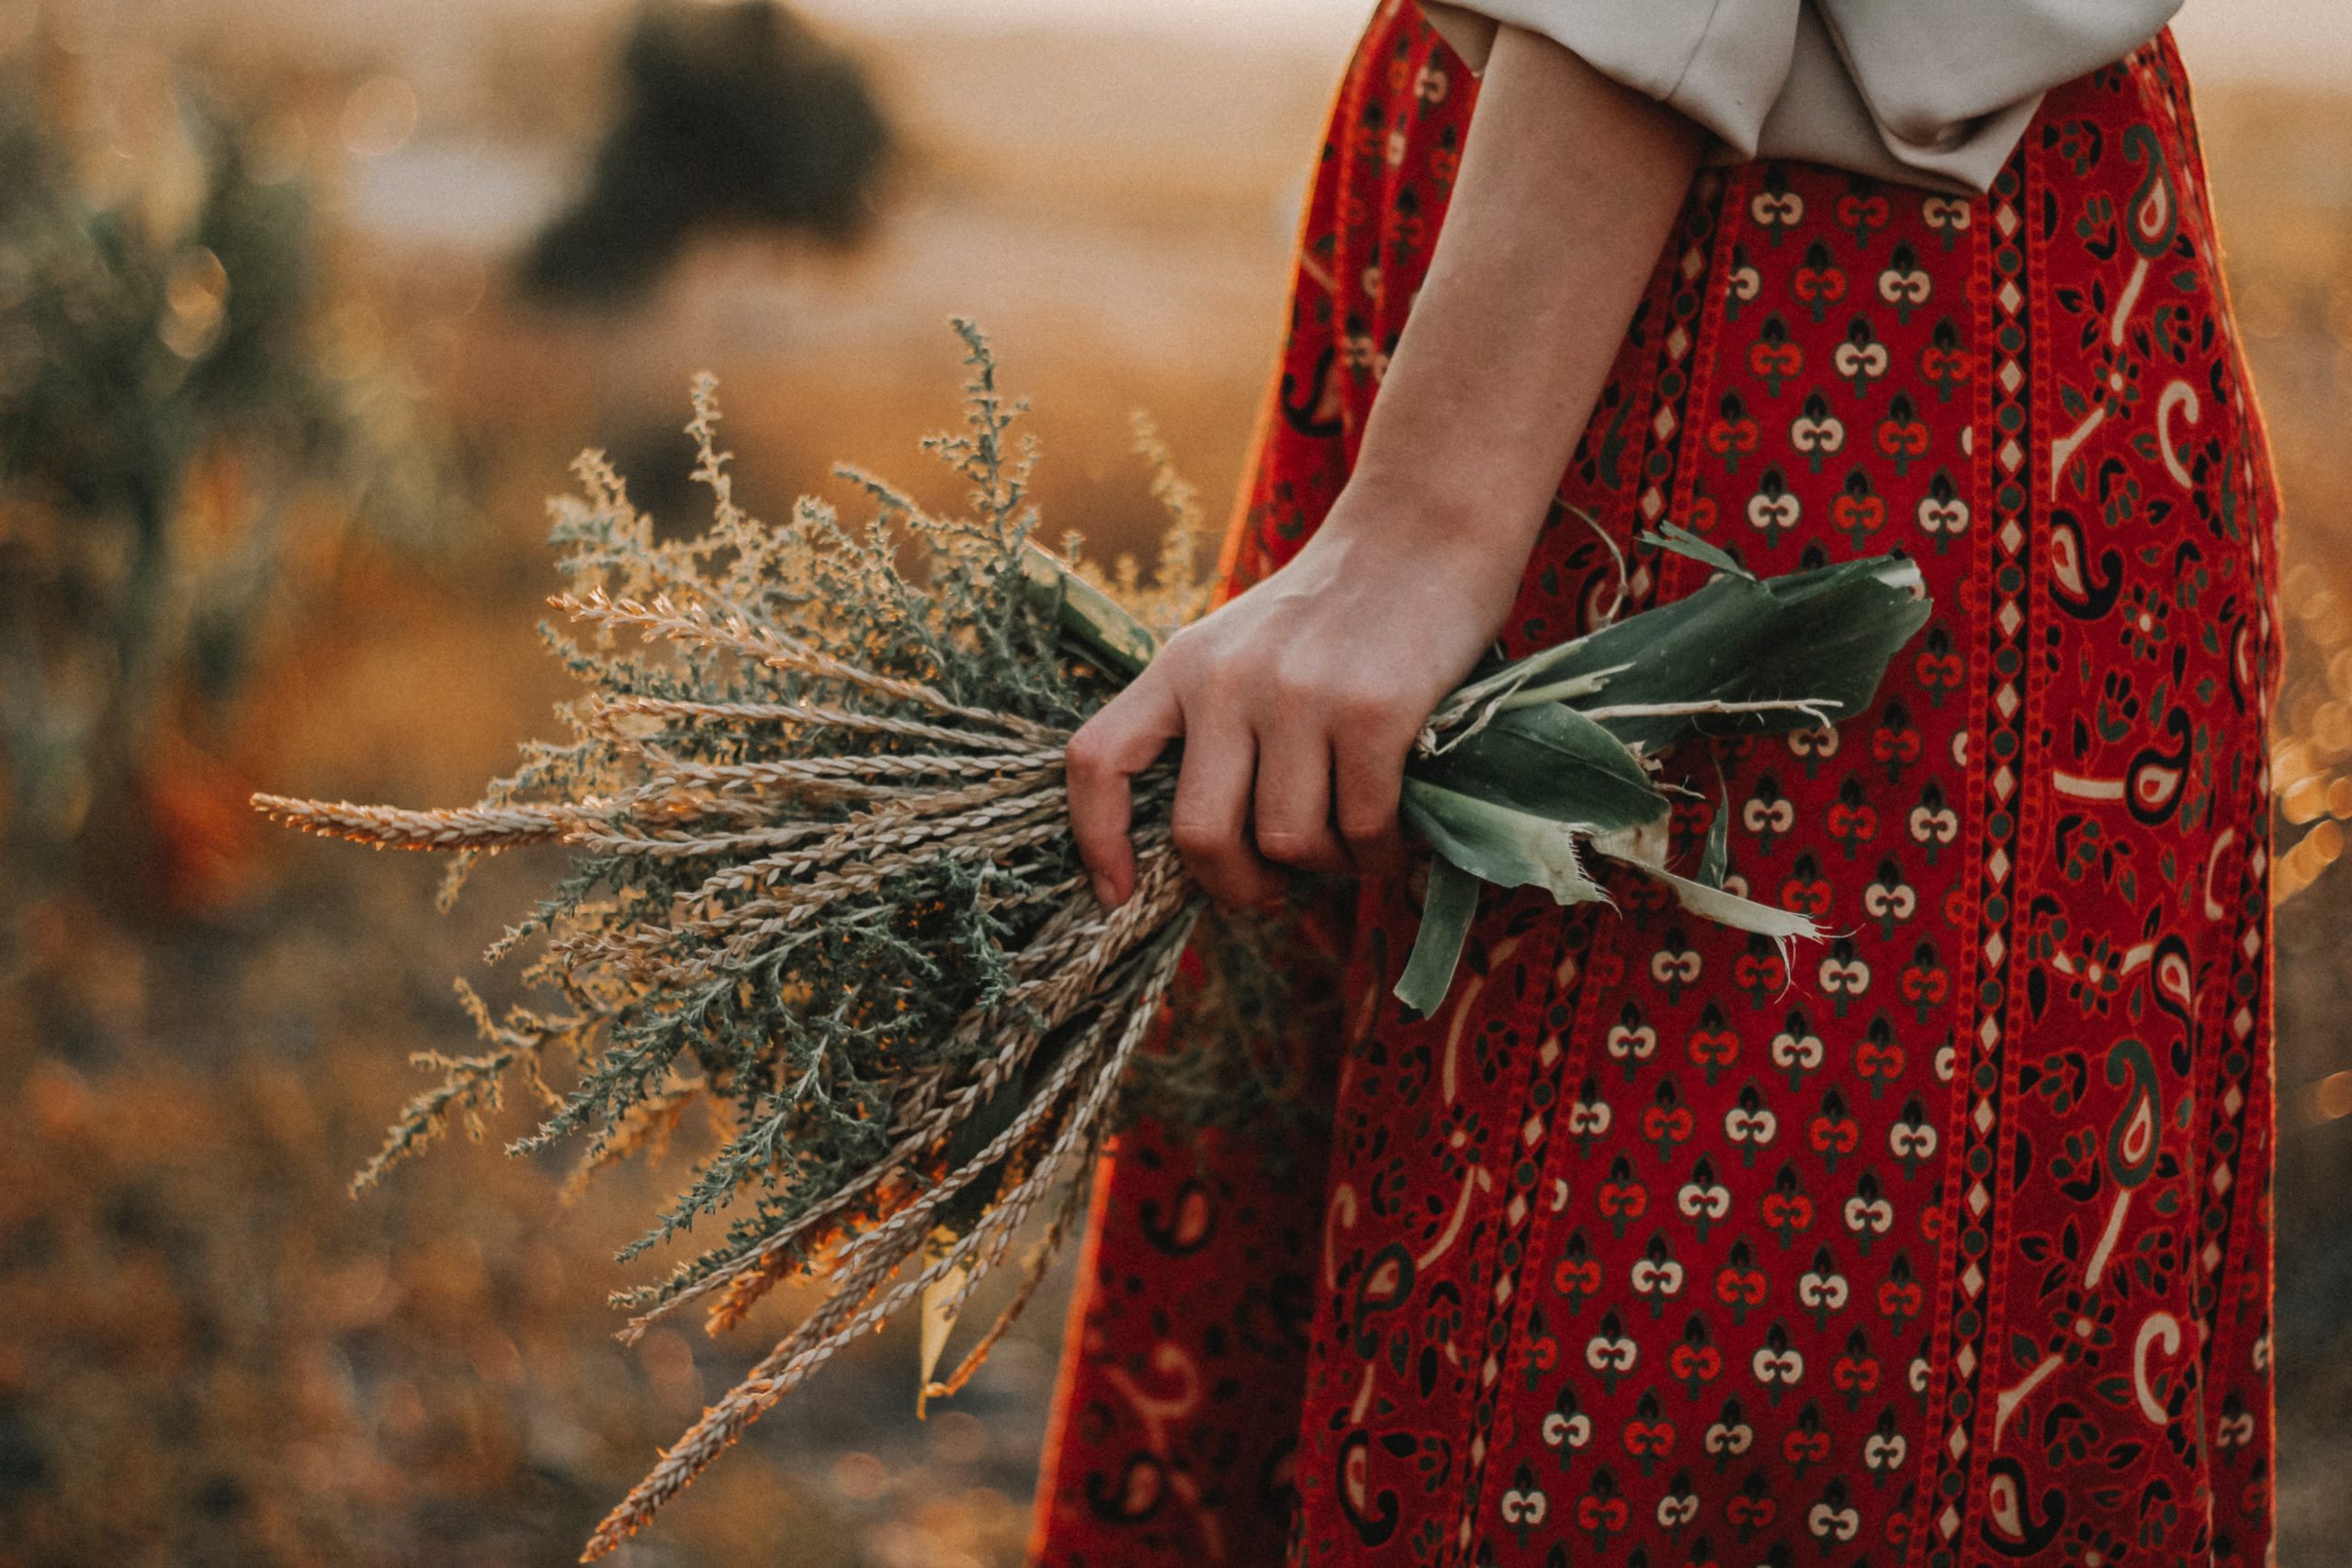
[(1932, 93)]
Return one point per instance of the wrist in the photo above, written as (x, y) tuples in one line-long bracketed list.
[(1468, 511), (1468, 552)]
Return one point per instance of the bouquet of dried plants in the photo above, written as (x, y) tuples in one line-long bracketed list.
[(822, 877)]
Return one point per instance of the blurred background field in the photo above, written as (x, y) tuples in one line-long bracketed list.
[(293, 249)]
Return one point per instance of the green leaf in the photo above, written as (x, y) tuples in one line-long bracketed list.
[(1509, 849), (1729, 909), (1551, 762), (1825, 635), (1683, 542), (1716, 863), (1446, 914), (1494, 675)]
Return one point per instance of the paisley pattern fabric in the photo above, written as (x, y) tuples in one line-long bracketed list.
[(1945, 1242)]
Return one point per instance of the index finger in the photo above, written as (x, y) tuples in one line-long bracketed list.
[(1108, 750)]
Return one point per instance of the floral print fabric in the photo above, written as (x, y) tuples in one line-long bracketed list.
[(1944, 1242)]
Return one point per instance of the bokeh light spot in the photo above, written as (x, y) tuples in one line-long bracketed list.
[(195, 303), (2332, 1097), (860, 1477), (378, 117)]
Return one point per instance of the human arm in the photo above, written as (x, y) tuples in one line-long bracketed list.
[(1297, 702)]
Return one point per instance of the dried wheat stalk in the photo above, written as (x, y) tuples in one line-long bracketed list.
[(822, 884)]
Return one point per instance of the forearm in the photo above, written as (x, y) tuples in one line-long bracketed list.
[(1297, 702), (1569, 186)]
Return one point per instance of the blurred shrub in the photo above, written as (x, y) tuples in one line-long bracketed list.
[(168, 402), (732, 115)]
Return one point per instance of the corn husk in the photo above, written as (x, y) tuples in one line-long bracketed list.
[(1533, 769)]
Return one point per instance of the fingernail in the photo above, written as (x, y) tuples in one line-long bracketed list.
[(1103, 890)]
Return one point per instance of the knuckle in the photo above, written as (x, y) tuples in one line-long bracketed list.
[(1183, 643), (1088, 753), (1223, 679), (1365, 829), (1289, 846), (1299, 683), (1200, 843), (1289, 685), (1371, 710)]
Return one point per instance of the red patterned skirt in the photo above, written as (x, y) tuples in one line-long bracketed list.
[(1949, 1242)]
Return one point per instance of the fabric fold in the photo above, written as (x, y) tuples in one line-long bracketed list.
[(1915, 91)]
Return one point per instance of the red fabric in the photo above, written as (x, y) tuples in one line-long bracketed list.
[(1946, 1244)]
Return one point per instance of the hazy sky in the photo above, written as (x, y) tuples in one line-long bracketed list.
[(2298, 40)]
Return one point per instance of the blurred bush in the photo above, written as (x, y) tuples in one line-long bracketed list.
[(734, 115), (171, 402)]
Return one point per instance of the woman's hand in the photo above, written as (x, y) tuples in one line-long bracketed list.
[(1297, 704)]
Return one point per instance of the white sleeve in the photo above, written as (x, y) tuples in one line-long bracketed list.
[(1951, 87), (1720, 61), (1931, 92)]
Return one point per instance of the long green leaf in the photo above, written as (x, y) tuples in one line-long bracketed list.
[(1510, 802), (1683, 542), (1509, 849), (1446, 914), (1729, 909), (1714, 863), (1825, 635), (1551, 762)]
